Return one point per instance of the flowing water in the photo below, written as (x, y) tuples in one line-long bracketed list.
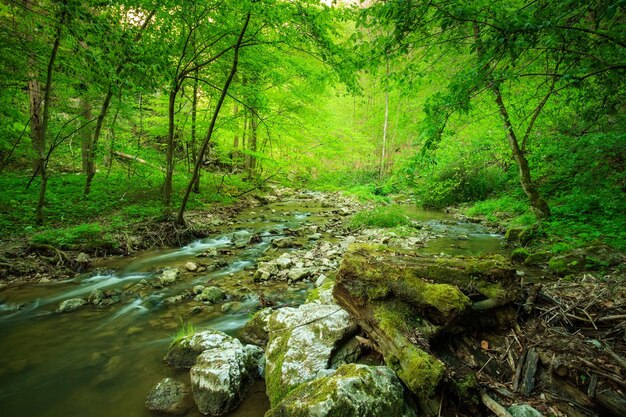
[(102, 361)]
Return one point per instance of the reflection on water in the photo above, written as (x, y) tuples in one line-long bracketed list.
[(102, 361)]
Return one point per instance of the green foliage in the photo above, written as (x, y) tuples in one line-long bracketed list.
[(383, 217), (186, 329), (88, 235)]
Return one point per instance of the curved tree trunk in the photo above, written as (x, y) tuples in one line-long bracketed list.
[(539, 205)]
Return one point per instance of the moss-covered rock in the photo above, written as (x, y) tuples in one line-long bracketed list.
[(352, 391), (322, 294), (537, 258), (520, 254), (301, 343), (255, 330), (182, 353)]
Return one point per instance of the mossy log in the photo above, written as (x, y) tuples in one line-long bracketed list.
[(403, 300)]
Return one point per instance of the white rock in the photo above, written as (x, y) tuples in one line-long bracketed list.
[(222, 374), (190, 266), (301, 342)]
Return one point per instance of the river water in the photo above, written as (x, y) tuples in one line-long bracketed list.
[(102, 361)]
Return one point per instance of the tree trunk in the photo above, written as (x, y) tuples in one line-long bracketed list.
[(91, 157), (169, 170), (539, 205), (381, 171), (252, 144), (85, 134), (194, 113), (40, 116), (205, 143)]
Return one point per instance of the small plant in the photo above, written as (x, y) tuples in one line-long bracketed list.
[(386, 217), (185, 329)]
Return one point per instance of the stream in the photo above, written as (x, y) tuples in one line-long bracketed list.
[(102, 360)]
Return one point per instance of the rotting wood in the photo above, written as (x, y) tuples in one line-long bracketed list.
[(494, 406)]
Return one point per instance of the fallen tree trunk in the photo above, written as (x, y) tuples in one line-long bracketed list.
[(402, 300)]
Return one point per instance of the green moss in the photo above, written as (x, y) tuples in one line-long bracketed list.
[(275, 388), (520, 254), (557, 265), (420, 371), (393, 316), (314, 294), (490, 290), (537, 258), (466, 388)]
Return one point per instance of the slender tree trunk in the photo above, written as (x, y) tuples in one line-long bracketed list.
[(244, 139), (252, 144), (539, 205), (91, 157), (169, 170), (381, 171), (194, 112), (205, 143), (85, 134), (42, 160), (140, 122), (235, 152)]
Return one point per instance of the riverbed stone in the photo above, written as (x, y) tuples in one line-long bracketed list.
[(284, 261), (222, 374), (211, 295), (301, 341), (297, 274), (190, 266), (352, 391), (168, 276), (71, 305), (283, 242), (169, 397)]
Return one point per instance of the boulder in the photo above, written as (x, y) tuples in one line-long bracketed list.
[(182, 353), (190, 266), (297, 274), (222, 374), (255, 330), (211, 295), (301, 342), (71, 305), (169, 397), (284, 261), (351, 391), (168, 276)]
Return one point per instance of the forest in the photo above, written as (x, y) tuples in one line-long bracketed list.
[(313, 208)]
